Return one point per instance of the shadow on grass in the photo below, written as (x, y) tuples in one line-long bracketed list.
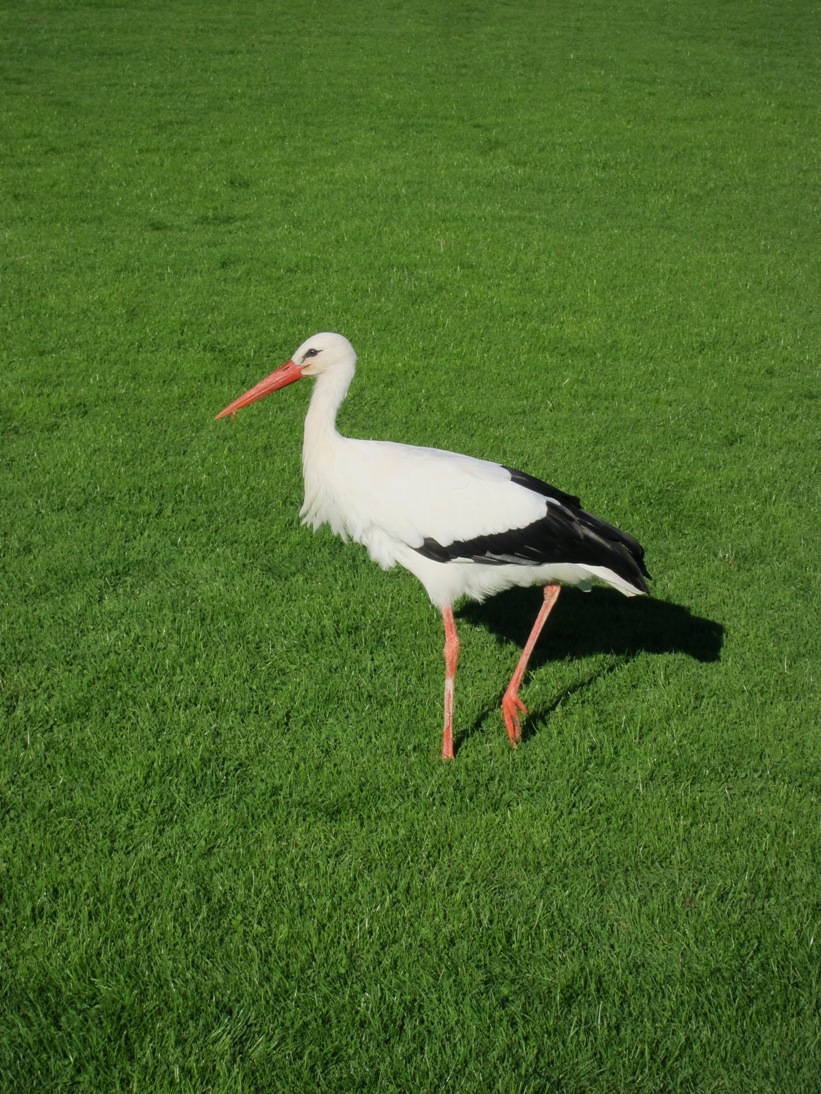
[(601, 621), (583, 624)]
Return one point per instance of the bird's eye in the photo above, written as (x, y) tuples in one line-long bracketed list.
[(311, 353)]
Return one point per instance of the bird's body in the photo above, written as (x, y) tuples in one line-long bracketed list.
[(462, 526)]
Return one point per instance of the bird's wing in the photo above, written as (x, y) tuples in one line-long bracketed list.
[(451, 507), (413, 494)]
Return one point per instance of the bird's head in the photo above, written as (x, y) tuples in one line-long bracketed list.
[(321, 354)]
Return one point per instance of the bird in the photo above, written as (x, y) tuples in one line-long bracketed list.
[(465, 527)]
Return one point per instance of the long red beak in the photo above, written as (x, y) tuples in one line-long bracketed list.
[(284, 375)]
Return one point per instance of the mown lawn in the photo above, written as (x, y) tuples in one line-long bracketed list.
[(581, 239)]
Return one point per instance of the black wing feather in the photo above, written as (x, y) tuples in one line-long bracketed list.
[(566, 534)]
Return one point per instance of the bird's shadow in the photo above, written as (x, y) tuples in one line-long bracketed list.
[(584, 624)]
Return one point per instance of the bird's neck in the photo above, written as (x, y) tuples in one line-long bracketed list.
[(329, 391), (322, 443)]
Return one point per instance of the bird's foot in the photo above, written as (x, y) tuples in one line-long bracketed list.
[(512, 707)]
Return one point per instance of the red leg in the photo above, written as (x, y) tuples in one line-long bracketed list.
[(451, 657), (512, 705)]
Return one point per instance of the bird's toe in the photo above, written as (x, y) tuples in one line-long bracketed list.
[(512, 707)]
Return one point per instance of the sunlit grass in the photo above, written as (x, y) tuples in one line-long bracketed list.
[(583, 241)]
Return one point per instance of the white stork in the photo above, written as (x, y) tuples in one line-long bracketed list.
[(464, 527)]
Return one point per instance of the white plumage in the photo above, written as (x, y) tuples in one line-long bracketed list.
[(462, 526)]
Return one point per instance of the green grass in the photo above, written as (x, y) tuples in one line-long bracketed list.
[(583, 239)]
